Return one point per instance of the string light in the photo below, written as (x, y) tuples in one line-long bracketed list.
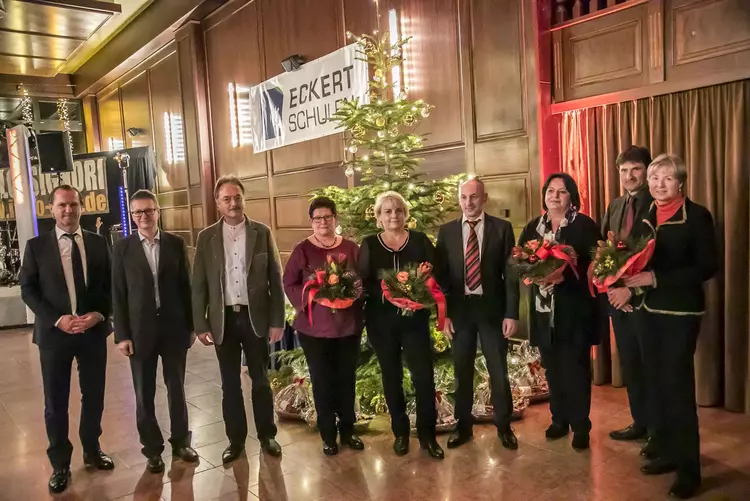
[(64, 114), (27, 114)]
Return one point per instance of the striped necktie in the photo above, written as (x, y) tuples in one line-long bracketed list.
[(473, 263)]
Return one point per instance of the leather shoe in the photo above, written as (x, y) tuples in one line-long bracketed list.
[(459, 438), (557, 430), (271, 447), (632, 432), (232, 452), (185, 453), (353, 442), (508, 438), (650, 450), (401, 446), (330, 448), (658, 467), (155, 464), (684, 489), (98, 460), (59, 480), (433, 448), (580, 441)]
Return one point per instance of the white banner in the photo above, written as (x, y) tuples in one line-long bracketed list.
[(297, 106)]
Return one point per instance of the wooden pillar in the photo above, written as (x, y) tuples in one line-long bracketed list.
[(91, 124)]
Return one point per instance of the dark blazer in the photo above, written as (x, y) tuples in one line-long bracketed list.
[(265, 290), (685, 256), (133, 298), (499, 288), (578, 316), (44, 290), (614, 217)]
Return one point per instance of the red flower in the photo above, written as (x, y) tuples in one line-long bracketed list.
[(621, 245), (532, 244), (403, 276), (333, 279), (533, 259)]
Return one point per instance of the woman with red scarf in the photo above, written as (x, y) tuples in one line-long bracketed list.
[(670, 312)]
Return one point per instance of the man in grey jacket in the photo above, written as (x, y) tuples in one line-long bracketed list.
[(238, 305)]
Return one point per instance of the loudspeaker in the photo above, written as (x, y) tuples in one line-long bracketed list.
[(54, 152)]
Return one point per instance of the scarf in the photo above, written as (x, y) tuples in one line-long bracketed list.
[(665, 210)]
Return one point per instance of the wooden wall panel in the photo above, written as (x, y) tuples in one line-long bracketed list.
[(291, 212), (508, 198), (176, 219), (136, 111), (506, 156), (110, 120), (260, 210)]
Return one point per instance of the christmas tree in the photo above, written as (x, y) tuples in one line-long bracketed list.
[(379, 135)]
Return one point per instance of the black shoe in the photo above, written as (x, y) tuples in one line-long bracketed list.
[(557, 430), (433, 448), (232, 452), (401, 445), (684, 489), (580, 441), (632, 432), (459, 438), (658, 466), (330, 448), (59, 480), (98, 460), (650, 450), (353, 442), (155, 464), (508, 438), (271, 447), (185, 453)]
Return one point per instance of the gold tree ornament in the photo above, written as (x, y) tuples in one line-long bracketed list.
[(370, 212), (352, 148), (439, 198), (425, 112), (409, 120), (380, 121), (358, 131), (412, 224)]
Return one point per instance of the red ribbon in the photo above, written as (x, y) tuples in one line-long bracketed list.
[(408, 304), (634, 265), (311, 289)]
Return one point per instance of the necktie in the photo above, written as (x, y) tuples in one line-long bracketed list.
[(79, 279), (473, 271), (627, 225)]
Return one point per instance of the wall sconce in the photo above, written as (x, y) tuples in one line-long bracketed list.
[(292, 63), (173, 139), (115, 144), (134, 131), (239, 115)]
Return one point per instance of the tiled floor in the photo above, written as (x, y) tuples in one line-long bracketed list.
[(482, 470)]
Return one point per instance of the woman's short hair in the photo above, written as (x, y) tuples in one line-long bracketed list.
[(393, 196), (322, 203), (570, 185), (671, 161)]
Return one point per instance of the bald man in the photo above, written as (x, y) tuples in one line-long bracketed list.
[(472, 255)]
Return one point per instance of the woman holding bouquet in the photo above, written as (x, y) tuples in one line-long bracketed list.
[(330, 338), (685, 256), (563, 315), (390, 332)]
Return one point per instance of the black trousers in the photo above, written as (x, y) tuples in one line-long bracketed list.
[(239, 337), (568, 370), (143, 367), (629, 338), (474, 321), (333, 367), (391, 335), (90, 352), (669, 359)]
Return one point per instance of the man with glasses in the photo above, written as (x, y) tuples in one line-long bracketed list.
[(238, 305), (153, 318)]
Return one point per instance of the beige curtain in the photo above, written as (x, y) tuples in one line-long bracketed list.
[(710, 129)]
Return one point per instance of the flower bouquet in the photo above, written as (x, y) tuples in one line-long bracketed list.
[(613, 260), (334, 286), (543, 261), (413, 288)]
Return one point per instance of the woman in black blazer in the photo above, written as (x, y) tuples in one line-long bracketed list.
[(670, 311), (563, 317)]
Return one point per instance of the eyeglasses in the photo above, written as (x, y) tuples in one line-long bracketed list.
[(236, 199), (141, 213), (320, 219)]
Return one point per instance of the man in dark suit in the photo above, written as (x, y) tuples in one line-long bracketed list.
[(472, 256), (153, 318), (621, 214), (65, 280), (238, 305)]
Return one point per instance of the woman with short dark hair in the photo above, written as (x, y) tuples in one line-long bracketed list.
[(331, 341)]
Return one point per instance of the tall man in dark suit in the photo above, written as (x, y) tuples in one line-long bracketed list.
[(65, 280), (482, 297), (153, 318), (238, 305), (621, 214)]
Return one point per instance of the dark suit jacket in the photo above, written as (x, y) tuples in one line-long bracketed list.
[(265, 290), (685, 256), (499, 288), (614, 217), (133, 298), (43, 287)]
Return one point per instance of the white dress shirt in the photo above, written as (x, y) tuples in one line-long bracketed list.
[(235, 288), (479, 230), (66, 255), (152, 256)]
